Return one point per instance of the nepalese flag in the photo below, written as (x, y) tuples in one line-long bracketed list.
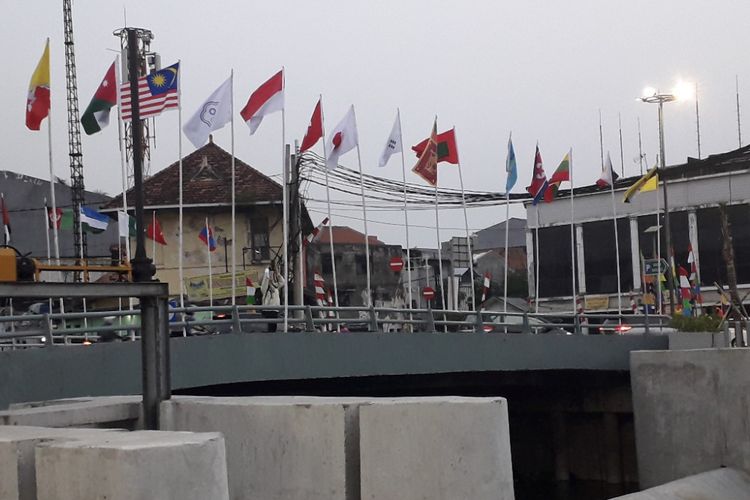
[(207, 237), (311, 237), (156, 92), (539, 182), (561, 174)]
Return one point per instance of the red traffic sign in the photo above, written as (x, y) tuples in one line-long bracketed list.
[(396, 264), (428, 293)]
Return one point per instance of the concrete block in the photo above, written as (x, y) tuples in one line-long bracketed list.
[(17, 465), (436, 448), (277, 448), (110, 411), (691, 412), (142, 465), (719, 484)]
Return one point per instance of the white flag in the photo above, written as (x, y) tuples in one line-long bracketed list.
[(123, 224), (342, 139), (393, 145), (213, 114)]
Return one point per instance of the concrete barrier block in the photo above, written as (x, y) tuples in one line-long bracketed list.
[(17, 465), (436, 448), (277, 448), (136, 465), (109, 411), (719, 484)]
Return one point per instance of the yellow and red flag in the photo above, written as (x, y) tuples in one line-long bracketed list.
[(38, 99)]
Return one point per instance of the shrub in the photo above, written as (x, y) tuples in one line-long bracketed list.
[(703, 323)]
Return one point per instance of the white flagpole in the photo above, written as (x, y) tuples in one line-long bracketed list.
[(210, 274), (153, 234), (330, 217), (123, 172), (406, 211), (234, 188), (536, 261), (367, 237), (83, 263), (180, 216), (285, 212), (468, 236), (507, 223), (439, 250), (572, 234), (46, 229), (55, 237), (658, 250), (617, 242)]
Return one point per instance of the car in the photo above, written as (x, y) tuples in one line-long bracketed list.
[(637, 325), (493, 322)]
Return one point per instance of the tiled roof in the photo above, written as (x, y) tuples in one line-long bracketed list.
[(344, 235), (207, 178)]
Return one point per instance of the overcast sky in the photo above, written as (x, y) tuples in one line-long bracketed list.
[(540, 69)]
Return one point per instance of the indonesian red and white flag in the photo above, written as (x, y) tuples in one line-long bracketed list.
[(311, 237), (342, 139), (267, 99), (314, 130)]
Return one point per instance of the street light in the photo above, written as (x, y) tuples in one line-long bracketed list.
[(653, 96)]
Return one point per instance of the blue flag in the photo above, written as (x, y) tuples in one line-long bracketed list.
[(163, 80), (510, 167)]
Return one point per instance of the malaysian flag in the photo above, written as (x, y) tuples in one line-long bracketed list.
[(156, 92)]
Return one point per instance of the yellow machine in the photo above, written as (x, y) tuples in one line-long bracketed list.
[(15, 267), (8, 266)]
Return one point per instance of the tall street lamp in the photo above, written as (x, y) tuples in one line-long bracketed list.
[(653, 96)]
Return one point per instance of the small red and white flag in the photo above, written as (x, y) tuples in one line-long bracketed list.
[(609, 176), (267, 99), (6, 218), (342, 139), (320, 290), (693, 265), (314, 234), (314, 130), (486, 287)]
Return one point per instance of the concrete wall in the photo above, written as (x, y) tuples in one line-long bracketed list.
[(692, 412), (719, 484)]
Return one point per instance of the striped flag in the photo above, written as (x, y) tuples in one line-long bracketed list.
[(311, 237), (320, 291), (156, 92)]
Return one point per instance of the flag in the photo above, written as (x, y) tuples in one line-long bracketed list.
[(314, 130), (691, 261), (393, 144), (539, 181), (207, 237), (267, 99), (561, 174), (213, 114), (320, 291), (6, 218), (125, 224), (311, 237), (156, 93), (342, 139), (510, 167), (96, 116), (426, 166), (486, 287), (686, 292), (55, 218), (66, 219), (649, 182), (92, 221), (38, 98), (447, 150), (154, 232), (609, 176)]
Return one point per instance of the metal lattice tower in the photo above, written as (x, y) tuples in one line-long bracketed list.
[(74, 134), (148, 61)]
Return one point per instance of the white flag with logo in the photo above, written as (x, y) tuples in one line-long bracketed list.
[(342, 139), (123, 224), (212, 115), (393, 145)]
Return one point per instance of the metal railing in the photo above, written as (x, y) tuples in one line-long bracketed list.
[(78, 328)]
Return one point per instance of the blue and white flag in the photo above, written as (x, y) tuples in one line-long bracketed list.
[(510, 167), (213, 114), (92, 221)]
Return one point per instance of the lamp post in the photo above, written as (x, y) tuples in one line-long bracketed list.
[(652, 96)]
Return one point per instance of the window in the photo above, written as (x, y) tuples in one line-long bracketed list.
[(259, 241)]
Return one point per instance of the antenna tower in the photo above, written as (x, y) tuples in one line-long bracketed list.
[(74, 135)]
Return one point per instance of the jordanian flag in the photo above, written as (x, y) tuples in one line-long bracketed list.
[(96, 116), (447, 150), (92, 221)]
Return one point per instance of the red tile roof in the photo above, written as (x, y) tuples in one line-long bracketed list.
[(207, 178), (345, 235)]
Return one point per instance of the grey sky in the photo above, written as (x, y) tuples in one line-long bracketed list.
[(540, 69)]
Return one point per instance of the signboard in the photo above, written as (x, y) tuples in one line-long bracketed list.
[(197, 288), (596, 302), (428, 293), (396, 264), (653, 267)]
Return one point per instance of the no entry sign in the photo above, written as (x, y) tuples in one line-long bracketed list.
[(396, 264), (428, 293)]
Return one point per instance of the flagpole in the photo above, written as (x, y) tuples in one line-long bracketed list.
[(617, 242), (46, 229), (210, 274), (658, 249), (285, 211), (153, 237), (123, 172), (572, 234), (468, 236), (536, 261), (234, 189), (55, 237), (406, 212), (622, 154), (507, 215), (180, 216), (640, 146), (437, 235), (367, 237), (330, 218)]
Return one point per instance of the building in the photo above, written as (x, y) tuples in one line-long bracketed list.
[(493, 238), (207, 197), (25, 198), (695, 191)]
